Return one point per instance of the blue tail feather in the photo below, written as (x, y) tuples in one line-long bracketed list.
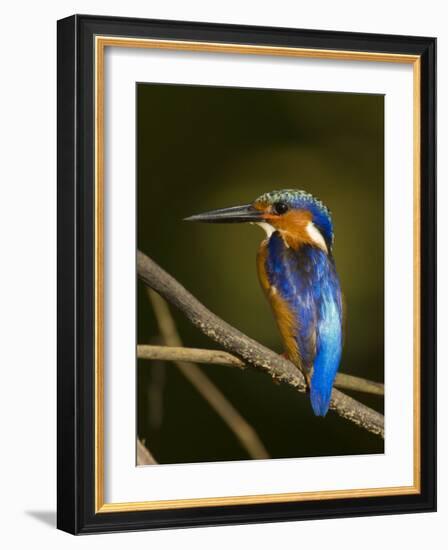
[(328, 357), (320, 395)]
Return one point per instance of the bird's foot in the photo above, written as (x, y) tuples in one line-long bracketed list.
[(306, 373)]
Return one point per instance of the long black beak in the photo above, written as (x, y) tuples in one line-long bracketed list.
[(235, 214)]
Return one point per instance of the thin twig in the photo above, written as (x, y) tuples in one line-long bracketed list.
[(144, 456), (155, 393), (247, 349), (218, 357), (244, 432), (155, 390)]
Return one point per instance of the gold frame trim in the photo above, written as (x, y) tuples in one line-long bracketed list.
[(101, 42)]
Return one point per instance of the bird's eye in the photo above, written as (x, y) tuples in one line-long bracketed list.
[(280, 207)]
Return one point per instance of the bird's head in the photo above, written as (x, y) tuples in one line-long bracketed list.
[(299, 217)]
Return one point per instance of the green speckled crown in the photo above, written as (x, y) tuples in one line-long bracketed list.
[(294, 197)]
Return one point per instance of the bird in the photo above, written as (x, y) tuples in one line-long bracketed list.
[(297, 272)]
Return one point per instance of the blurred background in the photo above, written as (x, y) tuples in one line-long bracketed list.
[(201, 148)]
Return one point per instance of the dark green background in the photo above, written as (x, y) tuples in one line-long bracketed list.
[(201, 148)]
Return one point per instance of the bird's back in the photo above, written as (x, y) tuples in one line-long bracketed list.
[(303, 289)]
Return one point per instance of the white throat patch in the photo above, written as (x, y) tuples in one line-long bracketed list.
[(316, 236), (267, 228)]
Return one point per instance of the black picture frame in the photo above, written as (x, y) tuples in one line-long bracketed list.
[(76, 254)]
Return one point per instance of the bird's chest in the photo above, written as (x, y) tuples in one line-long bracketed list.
[(297, 276)]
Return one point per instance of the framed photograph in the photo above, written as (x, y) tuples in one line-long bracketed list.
[(246, 274)]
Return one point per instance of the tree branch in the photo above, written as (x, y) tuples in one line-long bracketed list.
[(247, 349), (218, 357)]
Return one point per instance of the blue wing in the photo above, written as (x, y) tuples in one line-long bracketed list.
[(307, 282)]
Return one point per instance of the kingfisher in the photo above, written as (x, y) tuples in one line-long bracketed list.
[(298, 274)]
